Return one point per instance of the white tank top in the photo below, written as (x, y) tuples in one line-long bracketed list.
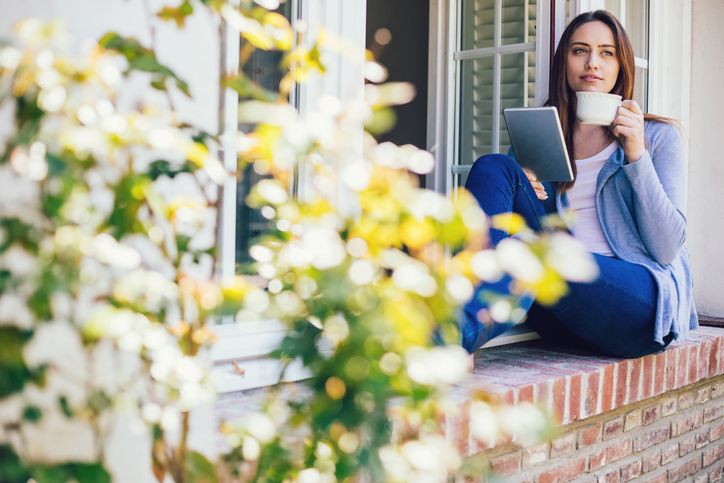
[(581, 199)]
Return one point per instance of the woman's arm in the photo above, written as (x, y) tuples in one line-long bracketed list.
[(658, 180)]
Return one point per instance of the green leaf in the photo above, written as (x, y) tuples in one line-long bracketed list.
[(15, 373), (248, 89), (143, 59), (65, 407), (176, 14), (198, 469), (130, 194), (80, 472), (12, 469), (32, 414), (162, 167)]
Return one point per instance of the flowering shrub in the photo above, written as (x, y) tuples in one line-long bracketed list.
[(107, 246)]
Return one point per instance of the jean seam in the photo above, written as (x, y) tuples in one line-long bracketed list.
[(521, 187)]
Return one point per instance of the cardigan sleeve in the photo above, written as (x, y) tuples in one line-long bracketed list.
[(659, 185)]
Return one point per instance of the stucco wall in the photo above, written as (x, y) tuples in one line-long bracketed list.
[(706, 156)]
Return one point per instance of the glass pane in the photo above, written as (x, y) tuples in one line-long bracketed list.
[(262, 68), (476, 109), (518, 21), (478, 24), (637, 26), (514, 89), (641, 87)]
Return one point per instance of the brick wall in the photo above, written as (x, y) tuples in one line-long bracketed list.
[(675, 436)]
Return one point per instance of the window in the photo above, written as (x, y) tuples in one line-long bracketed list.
[(241, 353)]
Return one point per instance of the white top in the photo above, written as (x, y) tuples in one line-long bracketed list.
[(581, 199)]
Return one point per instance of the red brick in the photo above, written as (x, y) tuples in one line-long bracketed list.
[(506, 464), (651, 414), (714, 356), (693, 363), (543, 394), (559, 399), (658, 479), (685, 423), (534, 455), (633, 420), (717, 389), (590, 403), (631, 471), (684, 469), (651, 461), (648, 377), (608, 396), (669, 453), (686, 400), (713, 455), (563, 446), (574, 398), (525, 393), (589, 435), (704, 354), (687, 445), (613, 428), (702, 439), (702, 396), (660, 368), (634, 381), (713, 412), (618, 450), (716, 432), (717, 474), (671, 368), (651, 437), (621, 383), (610, 477), (564, 472), (668, 407), (682, 366)]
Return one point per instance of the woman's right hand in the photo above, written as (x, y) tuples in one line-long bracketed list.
[(540, 191)]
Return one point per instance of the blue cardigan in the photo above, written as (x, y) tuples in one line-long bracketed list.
[(641, 210)]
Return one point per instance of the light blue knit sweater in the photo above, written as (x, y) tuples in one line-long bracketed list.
[(641, 210)]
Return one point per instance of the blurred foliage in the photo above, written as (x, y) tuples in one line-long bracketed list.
[(107, 248)]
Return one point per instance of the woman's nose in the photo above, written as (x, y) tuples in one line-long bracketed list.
[(592, 62)]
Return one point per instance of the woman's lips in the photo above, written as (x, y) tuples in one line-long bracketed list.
[(590, 78)]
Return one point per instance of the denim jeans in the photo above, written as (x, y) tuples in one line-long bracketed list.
[(613, 315)]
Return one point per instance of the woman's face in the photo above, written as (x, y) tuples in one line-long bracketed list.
[(592, 60)]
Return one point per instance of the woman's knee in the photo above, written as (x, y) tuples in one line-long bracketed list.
[(494, 163)]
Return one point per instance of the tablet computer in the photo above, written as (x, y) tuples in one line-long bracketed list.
[(537, 140)]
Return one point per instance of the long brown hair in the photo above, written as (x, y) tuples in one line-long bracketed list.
[(563, 98)]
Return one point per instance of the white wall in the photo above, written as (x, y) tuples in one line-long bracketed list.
[(706, 158)]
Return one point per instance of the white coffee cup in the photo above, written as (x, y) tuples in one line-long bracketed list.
[(597, 108)]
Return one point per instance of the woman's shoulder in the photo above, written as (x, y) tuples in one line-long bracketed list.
[(659, 132)]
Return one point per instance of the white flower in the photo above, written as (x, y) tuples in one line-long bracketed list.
[(18, 261), (459, 287), (484, 423), (361, 272), (10, 58), (30, 163), (485, 266), (357, 175), (570, 258), (524, 422), (260, 426), (323, 246), (14, 311), (271, 191), (52, 100), (107, 250), (336, 329), (414, 276), (438, 366), (515, 257)]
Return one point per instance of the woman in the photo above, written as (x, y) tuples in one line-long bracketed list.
[(628, 195)]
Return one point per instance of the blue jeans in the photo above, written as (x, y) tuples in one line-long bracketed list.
[(613, 315)]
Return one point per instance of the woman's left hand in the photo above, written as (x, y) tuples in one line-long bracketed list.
[(628, 127)]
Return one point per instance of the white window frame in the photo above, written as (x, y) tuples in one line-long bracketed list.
[(241, 354)]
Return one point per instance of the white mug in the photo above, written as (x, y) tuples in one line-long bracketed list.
[(597, 108)]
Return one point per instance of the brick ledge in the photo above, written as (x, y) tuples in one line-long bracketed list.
[(577, 385)]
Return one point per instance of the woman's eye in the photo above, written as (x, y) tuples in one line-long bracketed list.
[(579, 50), (607, 52)]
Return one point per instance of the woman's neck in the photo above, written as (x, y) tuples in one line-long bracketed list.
[(589, 140)]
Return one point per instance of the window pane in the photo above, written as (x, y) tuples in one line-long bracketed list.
[(641, 87), (476, 109), (262, 68), (516, 88), (637, 26), (518, 21), (478, 24)]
